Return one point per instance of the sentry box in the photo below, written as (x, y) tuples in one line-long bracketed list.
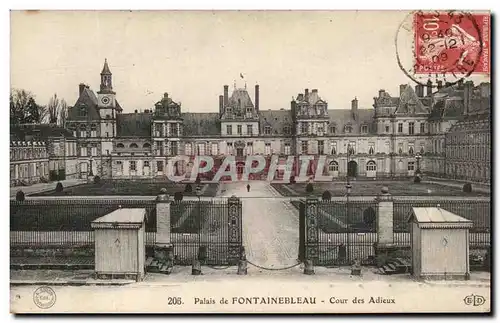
[(120, 247), (440, 244)]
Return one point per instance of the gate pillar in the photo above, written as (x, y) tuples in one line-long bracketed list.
[(311, 230), (234, 229)]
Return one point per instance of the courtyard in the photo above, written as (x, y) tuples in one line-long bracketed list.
[(373, 188), (132, 188)]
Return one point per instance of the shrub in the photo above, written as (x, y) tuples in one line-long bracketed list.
[(97, 180), (309, 188), (178, 196), (59, 187), (292, 180), (417, 179), (327, 196), (20, 196), (467, 188), (188, 188)]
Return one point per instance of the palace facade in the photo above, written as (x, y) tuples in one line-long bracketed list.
[(416, 128)]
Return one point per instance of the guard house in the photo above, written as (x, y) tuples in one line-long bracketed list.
[(120, 247), (440, 244)]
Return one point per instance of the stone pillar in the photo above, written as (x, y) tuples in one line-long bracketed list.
[(385, 230), (311, 230), (163, 220), (234, 229)]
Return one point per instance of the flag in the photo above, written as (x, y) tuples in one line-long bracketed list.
[(241, 75)]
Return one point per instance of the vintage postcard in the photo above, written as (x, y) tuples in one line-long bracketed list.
[(250, 162)]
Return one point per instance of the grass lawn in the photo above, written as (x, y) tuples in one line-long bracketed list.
[(366, 188), (130, 187)]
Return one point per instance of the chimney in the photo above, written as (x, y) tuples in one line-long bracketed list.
[(460, 84), (354, 105), (447, 84), (226, 95), (419, 90), (221, 104), (165, 96), (81, 88), (300, 97), (135, 111), (485, 89), (439, 85), (314, 90), (469, 85), (306, 94), (146, 111), (380, 93), (257, 97), (402, 88), (429, 88)]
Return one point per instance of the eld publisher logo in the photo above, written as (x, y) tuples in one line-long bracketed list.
[(474, 300)]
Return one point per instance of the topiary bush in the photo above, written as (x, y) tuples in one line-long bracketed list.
[(467, 188), (309, 188), (97, 180), (20, 196), (417, 179), (292, 180), (188, 188), (327, 196), (59, 187), (178, 196)]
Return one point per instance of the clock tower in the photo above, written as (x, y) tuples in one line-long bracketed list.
[(106, 104)]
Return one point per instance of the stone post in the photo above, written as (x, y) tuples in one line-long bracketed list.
[(163, 220), (385, 230)]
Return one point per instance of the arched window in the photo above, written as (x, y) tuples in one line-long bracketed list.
[(133, 145), (333, 166), (146, 145), (348, 129), (371, 166), (120, 145)]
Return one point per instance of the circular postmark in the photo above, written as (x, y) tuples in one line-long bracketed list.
[(439, 45), (44, 297)]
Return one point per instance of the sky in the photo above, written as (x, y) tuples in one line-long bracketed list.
[(193, 54)]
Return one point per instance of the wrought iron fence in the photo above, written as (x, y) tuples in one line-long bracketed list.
[(202, 229), (479, 212), (39, 223)]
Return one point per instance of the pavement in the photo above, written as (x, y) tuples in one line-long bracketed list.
[(43, 187), (479, 187)]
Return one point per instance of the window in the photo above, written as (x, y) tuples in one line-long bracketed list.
[(267, 130), (411, 149), (422, 127), (215, 149), (287, 130), (387, 129), (304, 147), (364, 129), (239, 129), (400, 127), (159, 165), (348, 129), (371, 166), (333, 129), (287, 148), (133, 165), (83, 131), (229, 129), (188, 149), (320, 131), (411, 165), (411, 128), (120, 145), (119, 166), (107, 152), (146, 164), (82, 112), (133, 145), (201, 149), (321, 147), (174, 129), (371, 148), (93, 150), (400, 148), (267, 148), (107, 134), (333, 166), (249, 148), (93, 130), (83, 151), (333, 150), (351, 148), (303, 128), (249, 112), (229, 148), (174, 148), (249, 129)]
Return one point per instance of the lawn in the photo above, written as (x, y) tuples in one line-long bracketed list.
[(365, 188), (131, 188)]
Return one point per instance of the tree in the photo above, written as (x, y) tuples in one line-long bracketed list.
[(63, 113), (24, 109), (53, 108)]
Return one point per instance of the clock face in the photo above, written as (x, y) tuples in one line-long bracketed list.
[(105, 100)]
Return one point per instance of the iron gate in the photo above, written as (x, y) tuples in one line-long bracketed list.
[(208, 230), (337, 232)]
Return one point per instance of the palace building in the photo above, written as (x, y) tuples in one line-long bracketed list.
[(397, 135)]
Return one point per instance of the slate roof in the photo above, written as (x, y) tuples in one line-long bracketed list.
[(133, 124), (201, 124), (87, 99), (243, 96), (342, 117), (410, 103), (105, 68), (277, 120), (38, 132)]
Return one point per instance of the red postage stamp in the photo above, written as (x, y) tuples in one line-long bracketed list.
[(451, 43)]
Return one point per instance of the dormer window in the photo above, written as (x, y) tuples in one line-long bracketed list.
[(333, 129), (133, 145), (348, 129), (267, 130), (82, 112), (364, 129), (287, 130)]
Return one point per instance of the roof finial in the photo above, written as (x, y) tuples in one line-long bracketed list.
[(234, 84)]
